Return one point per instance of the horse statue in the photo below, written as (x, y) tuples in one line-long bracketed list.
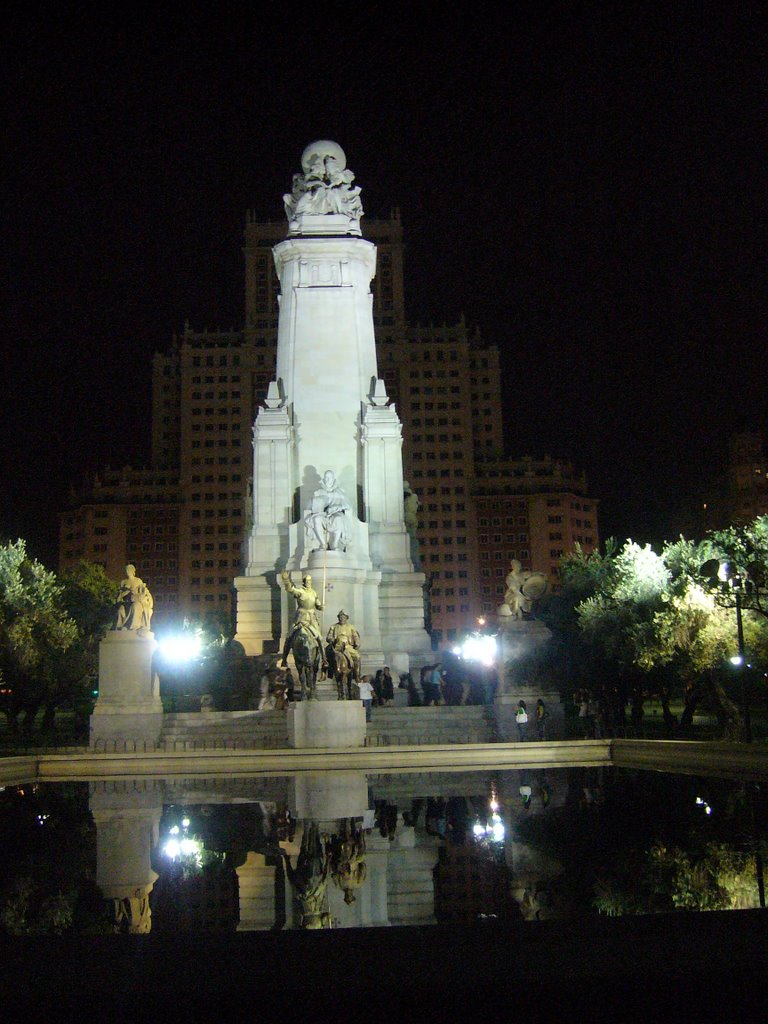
[(342, 669), (306, 654)]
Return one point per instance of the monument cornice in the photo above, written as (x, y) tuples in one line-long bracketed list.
[(324, 247)]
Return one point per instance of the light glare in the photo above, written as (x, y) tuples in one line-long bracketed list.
[(181, 646)]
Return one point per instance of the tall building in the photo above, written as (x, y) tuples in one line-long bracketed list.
[(740, 493), (446, 385)]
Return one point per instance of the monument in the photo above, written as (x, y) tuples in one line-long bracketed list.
[(522, 639), (328, 484), (128, 707)]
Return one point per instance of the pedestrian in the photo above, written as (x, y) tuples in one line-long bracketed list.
[(414, 697), (521, 720), (378, 699), (541, 719), (435, 681), (387, 687), (366, 695), (585, 718)]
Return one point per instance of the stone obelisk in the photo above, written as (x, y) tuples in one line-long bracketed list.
[(327, 473)]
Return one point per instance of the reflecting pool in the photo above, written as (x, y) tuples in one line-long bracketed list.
[(355, 849)]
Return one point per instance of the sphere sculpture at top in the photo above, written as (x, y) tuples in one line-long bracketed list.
[(324, 187)]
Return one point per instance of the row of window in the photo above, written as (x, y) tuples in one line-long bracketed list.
[(221, 380), (431, 474), (220, 360)]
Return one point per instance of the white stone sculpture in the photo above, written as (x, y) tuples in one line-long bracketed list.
[(134, 602), (327, 521), (324, 186), (523, 589), (410, 508)]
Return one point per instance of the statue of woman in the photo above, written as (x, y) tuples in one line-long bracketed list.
[(134, 602)]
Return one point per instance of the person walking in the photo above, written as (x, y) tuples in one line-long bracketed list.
[(541, 719), (521, 721)]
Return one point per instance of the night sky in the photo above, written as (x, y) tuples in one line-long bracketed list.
[(586, 185)]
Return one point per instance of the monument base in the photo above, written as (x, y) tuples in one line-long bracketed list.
[(125, 726), (128, 707), (314, 723), (327, 796)]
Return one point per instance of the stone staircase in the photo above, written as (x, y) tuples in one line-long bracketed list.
[(212, 730), (393, 726), (400, 726)]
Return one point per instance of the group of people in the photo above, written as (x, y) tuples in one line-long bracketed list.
[(454, 683), (522, 720)]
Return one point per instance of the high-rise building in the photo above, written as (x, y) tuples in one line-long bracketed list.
[(740, 493), (445, 382)]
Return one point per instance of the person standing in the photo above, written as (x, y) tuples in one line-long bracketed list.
[(521, 721), (434, 685), (541, 719), (387, 687), (366, 695)]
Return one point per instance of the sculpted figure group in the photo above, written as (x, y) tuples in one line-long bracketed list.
[(134, 602), (341, 855), (306, 641), (325, 184), (523, 589)]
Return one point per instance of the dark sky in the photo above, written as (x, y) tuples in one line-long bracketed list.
[(586, 185)]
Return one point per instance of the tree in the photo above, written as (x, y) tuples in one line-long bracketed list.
[(35, 633), (89, 596), (658, 626), (49, 635)]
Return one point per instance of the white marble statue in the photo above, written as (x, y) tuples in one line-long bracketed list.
[(410, 508), (327, 521), (325, 184), (523, 589), (134, 602)]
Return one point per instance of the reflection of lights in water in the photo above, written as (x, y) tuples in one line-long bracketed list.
[(179, 844), (492, 829), (704, 804), (182, 848)]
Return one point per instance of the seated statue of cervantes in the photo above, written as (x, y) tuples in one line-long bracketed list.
[(327, 521)]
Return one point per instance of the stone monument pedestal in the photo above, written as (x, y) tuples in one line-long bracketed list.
[(521, 641), (314, 723), (128, 706), (327, 796)]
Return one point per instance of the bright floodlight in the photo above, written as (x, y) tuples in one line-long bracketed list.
[(480, 648), (737, 660), (181, 646)]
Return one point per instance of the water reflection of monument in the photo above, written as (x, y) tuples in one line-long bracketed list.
[(319, 850), (328, 477)]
